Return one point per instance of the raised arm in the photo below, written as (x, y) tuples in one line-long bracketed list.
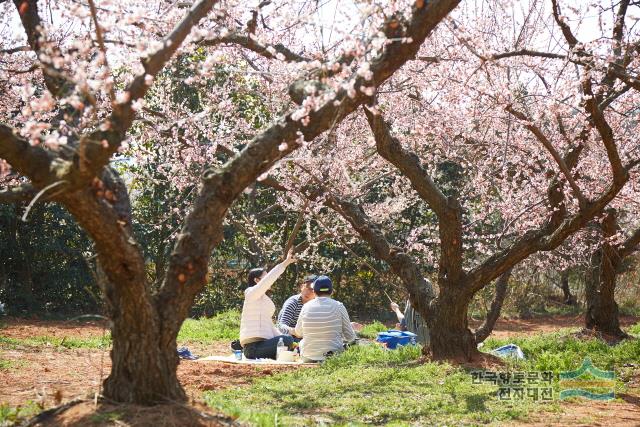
[(396, 309), (259, 289)]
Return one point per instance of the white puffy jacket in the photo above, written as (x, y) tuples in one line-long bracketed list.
[(256, 321)]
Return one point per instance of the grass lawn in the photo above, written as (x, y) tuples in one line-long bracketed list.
[(222, 327), (371, 330), (64, 342), (367, 384), (14, 416)]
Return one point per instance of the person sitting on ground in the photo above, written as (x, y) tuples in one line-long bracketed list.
[(258, 335), (323, 324), (411, 321), (288, 316)]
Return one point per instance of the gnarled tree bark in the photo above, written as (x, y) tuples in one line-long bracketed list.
[(602, 310), (483, 332)]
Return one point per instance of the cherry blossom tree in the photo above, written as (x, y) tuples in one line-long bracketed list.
[(601, 253), (543, 141), (62, 127)]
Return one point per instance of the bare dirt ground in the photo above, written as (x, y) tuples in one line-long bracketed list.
[(591, 414), (510, 327), (28, 328), (50, 375)]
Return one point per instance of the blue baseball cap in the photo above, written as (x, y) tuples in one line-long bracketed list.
[(322, 284)]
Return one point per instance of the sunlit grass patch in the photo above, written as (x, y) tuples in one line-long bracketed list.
[(7, 364), (371, 330), (224, 326), (561, 351), (10, 415), (635, 330), (368, 384)]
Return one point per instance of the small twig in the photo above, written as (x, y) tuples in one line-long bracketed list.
[(296, 228), (94, 16), (15, 49), (35, 199), (385, 292), (88, 316)]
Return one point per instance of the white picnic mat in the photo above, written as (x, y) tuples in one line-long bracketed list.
[(264, 362)]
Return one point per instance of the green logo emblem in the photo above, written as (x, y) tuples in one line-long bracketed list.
[(578, 384)]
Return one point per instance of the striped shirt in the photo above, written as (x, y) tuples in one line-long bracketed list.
[(288, 316), (324, 326)]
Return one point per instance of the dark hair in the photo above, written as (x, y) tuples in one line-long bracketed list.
[(325, 293), (254, 273)]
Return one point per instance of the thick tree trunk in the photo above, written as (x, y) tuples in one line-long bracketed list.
[(144, 364), (602, 309), (568, 298), (486, 328), (144, 357), (451, 337)]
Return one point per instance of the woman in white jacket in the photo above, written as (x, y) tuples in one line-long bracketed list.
[(258, 335)]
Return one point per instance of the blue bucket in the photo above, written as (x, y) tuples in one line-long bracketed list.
[(393, 338)]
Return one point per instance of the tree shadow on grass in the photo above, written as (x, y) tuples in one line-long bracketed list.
[(322, 404), (477, 402), (629, 398), (84, 413)]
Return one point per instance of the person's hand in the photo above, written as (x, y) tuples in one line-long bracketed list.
[(291, 257), (394, 306)]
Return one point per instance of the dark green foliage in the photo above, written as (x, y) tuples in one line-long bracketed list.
[(45, 265)]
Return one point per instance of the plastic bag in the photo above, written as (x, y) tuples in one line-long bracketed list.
[(509, 350), (393, 338)]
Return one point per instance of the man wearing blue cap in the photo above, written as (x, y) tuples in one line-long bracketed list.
[(323, 324)]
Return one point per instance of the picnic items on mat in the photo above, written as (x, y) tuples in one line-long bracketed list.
[(393, 338), (244, 361), (286, 356)]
